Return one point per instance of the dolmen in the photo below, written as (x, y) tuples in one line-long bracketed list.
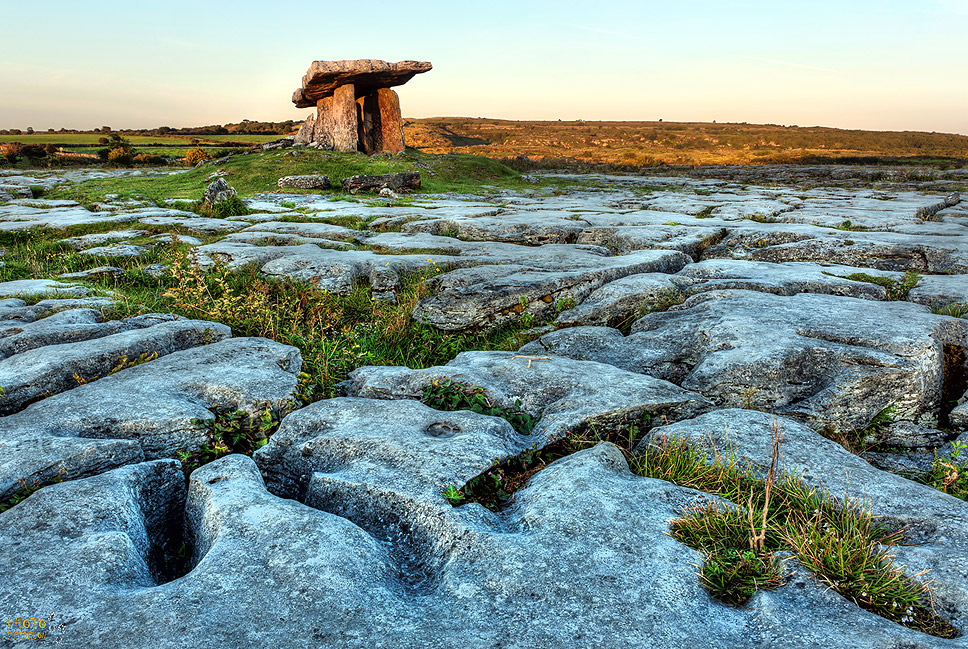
[(356, 110)]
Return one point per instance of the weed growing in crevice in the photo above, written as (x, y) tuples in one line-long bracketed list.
[(452, 395), (28, 488), (838, 540), (495, 487), (949, 475), (662, 301), (896, 289), (952, 309)]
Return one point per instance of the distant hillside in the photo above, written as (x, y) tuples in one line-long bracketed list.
[(689, 143)]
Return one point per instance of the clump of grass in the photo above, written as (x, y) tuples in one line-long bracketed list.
[(953, 309), (838, 540), (336, 333), (663, 301), (896, 289)]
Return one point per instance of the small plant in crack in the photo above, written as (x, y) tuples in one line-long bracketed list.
[(27, 488), (950, 474), (233, 430), (452, 395)]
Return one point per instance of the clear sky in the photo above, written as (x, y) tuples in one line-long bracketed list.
[(887, 64)]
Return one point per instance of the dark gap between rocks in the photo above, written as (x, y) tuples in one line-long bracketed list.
[(954, 381)]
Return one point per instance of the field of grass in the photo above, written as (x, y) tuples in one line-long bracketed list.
[(239, 137), (89, 138), (259, 172), (683, 143), (135, 140)]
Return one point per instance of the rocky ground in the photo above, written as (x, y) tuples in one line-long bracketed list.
[(715, 309)]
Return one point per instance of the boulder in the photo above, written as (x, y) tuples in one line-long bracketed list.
[(217, 192), (306, 182), (399, 182)]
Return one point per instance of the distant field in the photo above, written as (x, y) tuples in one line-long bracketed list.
[(136, 140), (240, 137), (88, 138), (688, 143)]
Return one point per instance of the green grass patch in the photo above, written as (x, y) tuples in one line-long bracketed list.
[(258, 172), (768, 511), (896, 289)]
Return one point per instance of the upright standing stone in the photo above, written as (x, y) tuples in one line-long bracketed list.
[(343, 114), (307, 131), (382, 122), (323, 129)]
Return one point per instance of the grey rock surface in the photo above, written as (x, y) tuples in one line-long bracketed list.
[(829, 360), (149, 411), (320, 181), (936, 524), (567, 395)]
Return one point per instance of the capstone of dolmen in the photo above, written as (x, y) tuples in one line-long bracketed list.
[(356, 110)]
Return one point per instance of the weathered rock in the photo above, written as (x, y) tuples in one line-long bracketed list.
[(69, 349), (569, 395), (325, 77), (117, 250), (829, 360), (320, 181), (150, 410), (486, 296), (306, 131), (217, 192), (618, 301), (93, 240), (399, 182), (382, 122), (339, 120), (47, 287), (936, 524)]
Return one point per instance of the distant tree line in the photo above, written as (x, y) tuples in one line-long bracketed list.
[(245, 127)]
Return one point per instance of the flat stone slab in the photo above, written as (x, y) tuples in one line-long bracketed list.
[(568, 395), (117, 250), (46, 287), (151, 410), (94, 240), (828, 360), (323, 77)]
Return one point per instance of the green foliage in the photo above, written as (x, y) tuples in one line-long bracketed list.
[(953, 309), (950, 475), (233, 206), (451, 395), (259, 172), (27, 488), (896, 289), (196, 155), (565, 303)]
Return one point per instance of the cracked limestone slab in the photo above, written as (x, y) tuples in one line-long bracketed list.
[(487, 296), (60, 352), (936, 524), (148, 411), (568, 395), (582, 559), (86, 241), (828, 360), (779, 278), (45, 287)]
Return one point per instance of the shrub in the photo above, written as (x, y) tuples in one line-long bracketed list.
[(196, 155), (229, 207), (120, 156), (149, 159), (11, 151)]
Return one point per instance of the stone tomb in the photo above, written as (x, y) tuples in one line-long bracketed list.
[(355, 108)]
